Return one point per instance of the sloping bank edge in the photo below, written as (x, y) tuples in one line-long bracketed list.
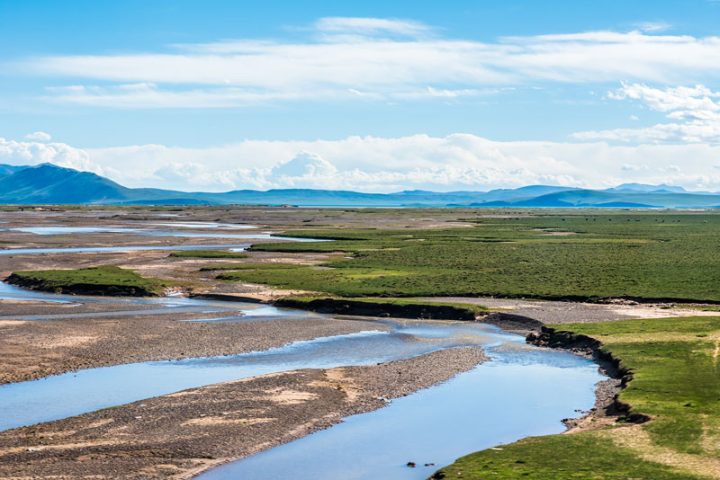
[(610, 365)]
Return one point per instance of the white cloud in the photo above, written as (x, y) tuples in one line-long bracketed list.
[(14, 152), (147, 95), (379, 58), (453, 162), (38, 137), (304, 164), (694, 111), (659, 26), (371, 26)]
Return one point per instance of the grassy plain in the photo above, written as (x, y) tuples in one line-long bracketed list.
[(574, 256), (96, 280), (676, 382)]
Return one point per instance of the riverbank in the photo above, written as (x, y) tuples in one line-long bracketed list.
[(106, 280), (674, 390), (610, 257), (182, 434), (39, 348)]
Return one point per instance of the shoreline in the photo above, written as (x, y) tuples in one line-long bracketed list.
[(607, 402), (186, 434), (43, 348)]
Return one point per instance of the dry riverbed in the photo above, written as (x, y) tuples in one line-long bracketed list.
[(35, 349), (182, 434), (554, 312), (178, 435)]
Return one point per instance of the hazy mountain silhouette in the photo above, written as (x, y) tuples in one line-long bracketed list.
[(50, 184)]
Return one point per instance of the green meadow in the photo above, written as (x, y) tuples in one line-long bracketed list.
[(96, 279), (572, 256), (577, 256), (676, 382)]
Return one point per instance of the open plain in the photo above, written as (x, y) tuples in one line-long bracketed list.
[(214, 281)]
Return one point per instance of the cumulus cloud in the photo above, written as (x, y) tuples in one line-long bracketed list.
[(38, 137), (694, 113), (303, 165), (376, 164), (379, 58), (452, 162), (14, 152)]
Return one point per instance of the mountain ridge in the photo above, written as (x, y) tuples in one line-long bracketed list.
[(51, 184)]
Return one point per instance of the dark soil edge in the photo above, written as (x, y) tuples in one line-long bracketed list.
[(80, 288), (376, 309), (609, 364)]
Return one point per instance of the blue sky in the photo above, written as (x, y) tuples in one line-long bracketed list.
[(373, 96)]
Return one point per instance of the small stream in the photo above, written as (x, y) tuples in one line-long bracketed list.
[(153, 306), (65, 230), (521, 391), (518, 394), (87, 390), (126, 248)]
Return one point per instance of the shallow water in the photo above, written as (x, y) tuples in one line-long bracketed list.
[(92, 389), (495, 403), (64, 230), (59, 230), (67, 230), (150, 233), (522, 391), (247, 236), (128, 248), (163, 305), (200, 225)]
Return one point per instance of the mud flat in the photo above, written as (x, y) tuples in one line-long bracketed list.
[(182, 434), (36, 349), (177, 435), (556, 312)]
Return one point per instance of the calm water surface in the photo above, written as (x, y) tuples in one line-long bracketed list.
[(127, 248), (511, 397), (87, 390), (522, 391)]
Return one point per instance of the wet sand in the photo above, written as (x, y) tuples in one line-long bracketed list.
[(35, 349), (554, 312), (177, 435), (182, 434)]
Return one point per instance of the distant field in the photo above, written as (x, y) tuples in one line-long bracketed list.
[(648, 255), (676, 383)]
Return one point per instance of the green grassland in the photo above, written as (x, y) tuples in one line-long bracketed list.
[(676, 383), (209, 254), (579, 256), (104, 280), (561, 255)]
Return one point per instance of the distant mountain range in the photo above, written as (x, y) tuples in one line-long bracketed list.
[(50, 184)]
